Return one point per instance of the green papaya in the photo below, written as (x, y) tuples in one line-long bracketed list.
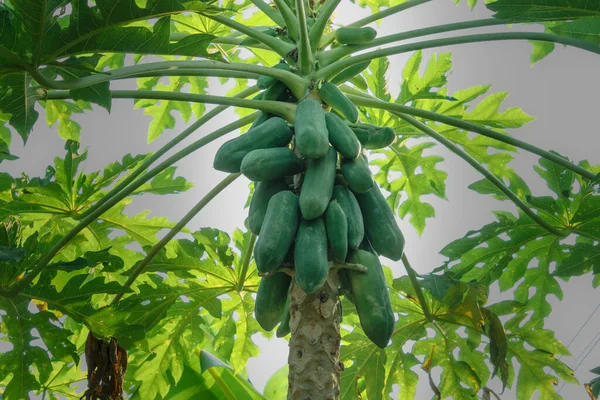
[(374, 137), (271, 298), (262, 117), (371, 298), (311, 265), (263, 191), (380, 224), (358, 174), (279, 229), (351, 209), (269, 164), (336, 225), (350, 72), (276, 92), (318, 185), (351, 35), (274, 132), (265, 82), (333, 97), (312, 137), (341, 137), (284, 325)]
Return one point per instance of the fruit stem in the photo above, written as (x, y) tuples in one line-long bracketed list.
[(305, 55), (327, 39), (327, 57), (295, 83), (316, 31), (361, 99), (289, 17), (282, 109), (491, 177), (246, 262), (280, 47), (412, 275), (172, 143), (340, 65), (269, 12)]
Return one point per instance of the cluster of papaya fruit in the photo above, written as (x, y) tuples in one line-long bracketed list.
[(316, 204)]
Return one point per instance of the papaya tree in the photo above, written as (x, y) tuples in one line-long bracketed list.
[(96, 303)]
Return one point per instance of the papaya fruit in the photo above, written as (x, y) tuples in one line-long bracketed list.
[(333, 97), (351, 209), (310, 129), (380, 224), (371, 298), (274, 132), (279, 228), (350, 72), (284, 325), (351, 35), (276, 92), (358, 174), (374, 137), (336, 225), (311, 265), (344, 285), (262, 117), (265, 82), (318, 185), (341, 137), (271, 297), (269, 164), (263, 192)]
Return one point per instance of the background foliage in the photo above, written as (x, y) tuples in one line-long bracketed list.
[(187, 320)]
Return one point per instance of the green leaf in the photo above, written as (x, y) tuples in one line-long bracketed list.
[(543, 10), (18, 100), (587, 29), (583, 258), (161, 110), (276, 387), (430, 180), (416, 87), (165, 183), (540, 50), (368, 361)]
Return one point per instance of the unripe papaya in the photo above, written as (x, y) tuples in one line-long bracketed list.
[(341, 137), (336, 225), (265, 82), (374, 137), (263, 191), (311, 265), (380, 224), (312, 137), (371, 298), (279, 229), (351, 35), (269, 164), (351, 209), (350, 72), (357, 174), (272, 133), (271, 298), (318, 185), (333, 97)]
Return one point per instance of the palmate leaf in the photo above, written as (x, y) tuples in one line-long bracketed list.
[(398, 173), (587, 29), (34, 33), (415, 86), (543, 10), (161, 110)]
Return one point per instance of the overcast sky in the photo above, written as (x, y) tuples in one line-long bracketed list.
[(560, 91)]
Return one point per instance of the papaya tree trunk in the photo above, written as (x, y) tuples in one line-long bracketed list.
[(315, 342)]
